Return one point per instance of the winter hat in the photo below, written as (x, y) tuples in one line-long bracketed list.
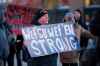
[(38, 15)]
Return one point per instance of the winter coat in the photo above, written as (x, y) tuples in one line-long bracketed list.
[(4, 45), (73, 56)]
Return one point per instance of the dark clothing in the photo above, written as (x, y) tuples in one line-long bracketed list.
[(11, 55), (18, 56), (19, 45), (95, 29), (15, 48), (98, 50), (49, 60), (4, 46), (88, 58), (25, 54), (69, 64), (11, 59), (5, 40), (1, 62), (4, 36), (12, 49)]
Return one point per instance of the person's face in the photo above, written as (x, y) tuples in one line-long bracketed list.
[(44, 19), (77, 15)]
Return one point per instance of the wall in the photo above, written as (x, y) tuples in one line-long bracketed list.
[(74, 4)]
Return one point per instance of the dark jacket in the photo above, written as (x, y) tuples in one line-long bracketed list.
[(95, 24), (95, 29), (4, 45), (73, 56), (19, 42)]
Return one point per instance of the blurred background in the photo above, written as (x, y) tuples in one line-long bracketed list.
[(20, 13)]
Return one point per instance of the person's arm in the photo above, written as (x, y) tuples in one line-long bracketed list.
[(86, 33)]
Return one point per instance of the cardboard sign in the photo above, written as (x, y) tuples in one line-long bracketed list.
[(48, 39)]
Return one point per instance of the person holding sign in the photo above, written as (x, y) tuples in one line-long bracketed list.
[(48, 60), (72, 58)]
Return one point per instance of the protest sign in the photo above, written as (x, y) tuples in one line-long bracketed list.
[(48, 39)]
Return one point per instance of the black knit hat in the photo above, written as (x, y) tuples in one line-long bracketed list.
[(38, 15)]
